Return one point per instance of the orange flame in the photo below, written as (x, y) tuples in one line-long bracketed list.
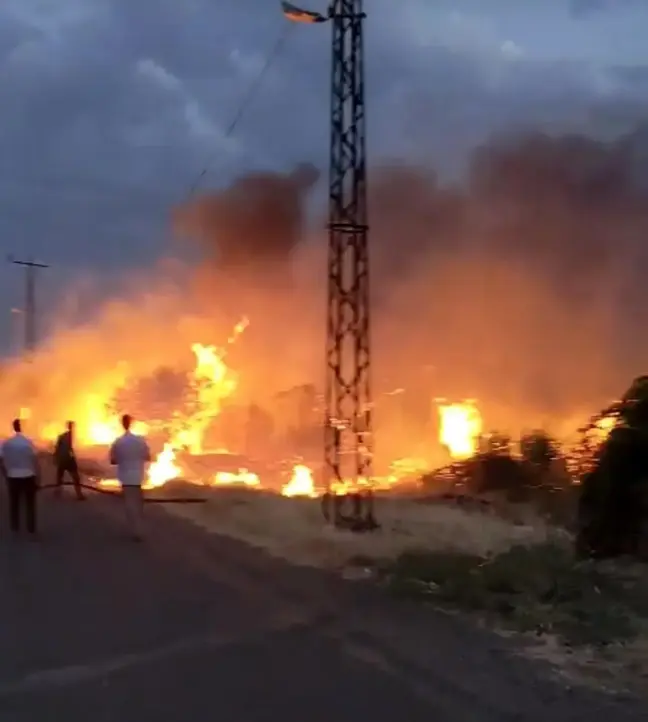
[(242, 477), (164, 468), (301, 483), (461, 427)]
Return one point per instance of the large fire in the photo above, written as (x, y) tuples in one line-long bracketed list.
[(212, 382)]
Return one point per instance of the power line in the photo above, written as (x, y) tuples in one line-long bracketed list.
[(99, 186), (247, 99), (244, 104)]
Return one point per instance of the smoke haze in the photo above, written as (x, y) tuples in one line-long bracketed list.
[(522, 288)]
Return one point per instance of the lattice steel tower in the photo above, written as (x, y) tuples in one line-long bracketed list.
[(348, 417), (348, 433)]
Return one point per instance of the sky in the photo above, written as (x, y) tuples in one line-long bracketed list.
[(111, 108)]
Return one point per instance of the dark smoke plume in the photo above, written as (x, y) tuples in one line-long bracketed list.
[(248, 234), (251, 229), (525, 285)]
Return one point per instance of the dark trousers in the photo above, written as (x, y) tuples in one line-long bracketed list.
[(22, 493), (71, 468)]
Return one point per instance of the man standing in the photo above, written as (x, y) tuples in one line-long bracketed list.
[(66, 463), (130, 454), (20, 468)]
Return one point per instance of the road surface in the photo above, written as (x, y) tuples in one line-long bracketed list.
[(190, 626)]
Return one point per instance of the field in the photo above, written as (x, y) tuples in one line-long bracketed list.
[(504, 566)]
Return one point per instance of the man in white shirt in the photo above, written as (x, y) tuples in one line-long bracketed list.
[(131, 455), (20, 468)]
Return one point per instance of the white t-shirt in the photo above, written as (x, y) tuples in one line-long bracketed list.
[(130, 454), (19, 457)]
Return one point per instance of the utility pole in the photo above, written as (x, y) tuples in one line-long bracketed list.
[(29, 312), (348, 421)]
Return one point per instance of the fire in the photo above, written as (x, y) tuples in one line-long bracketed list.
[(461, 426), (301, 483), (212, 382), (95, 425), (604, 426), (164, 468), (243, 477)]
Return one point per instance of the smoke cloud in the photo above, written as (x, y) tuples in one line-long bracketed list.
[(521, 287), (250, 230)]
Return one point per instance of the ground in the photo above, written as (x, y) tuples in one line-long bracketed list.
[(194, 625)]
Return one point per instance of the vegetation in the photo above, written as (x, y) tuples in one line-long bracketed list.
[(538, 588), (514, 540), (613, 507)]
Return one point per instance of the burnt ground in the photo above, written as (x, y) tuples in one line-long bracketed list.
[(192, 626)]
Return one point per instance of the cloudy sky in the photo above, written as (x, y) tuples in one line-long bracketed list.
[(110, 108)]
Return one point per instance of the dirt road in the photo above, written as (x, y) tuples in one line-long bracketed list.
[(196, 627)]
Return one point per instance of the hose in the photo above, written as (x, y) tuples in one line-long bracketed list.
[(117, 493)]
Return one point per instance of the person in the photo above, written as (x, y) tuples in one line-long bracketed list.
[(66, 463), (20, 468), (130, 453)]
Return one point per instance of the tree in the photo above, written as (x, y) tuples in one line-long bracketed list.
[(613, 506)]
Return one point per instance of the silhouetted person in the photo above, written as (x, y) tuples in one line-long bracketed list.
[(66, 463), (20, 468), (131, 454)]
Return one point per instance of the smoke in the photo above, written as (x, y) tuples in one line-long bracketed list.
[(249, 235), (524, 286), (250, 229), (521, 287)]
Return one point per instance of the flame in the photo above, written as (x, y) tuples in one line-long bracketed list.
[(212, 382), (603, 427), (164, 468), (461, 426), (95, 424), (301, 483), (243, 477)]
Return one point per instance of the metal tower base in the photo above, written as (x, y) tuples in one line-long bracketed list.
[(353, 512)]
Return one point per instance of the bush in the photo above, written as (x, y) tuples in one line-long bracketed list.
[(613, 507), (539, 450), (540, 589)]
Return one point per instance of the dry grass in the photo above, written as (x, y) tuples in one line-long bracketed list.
[(514, 574), (590, 620), (294, 529)]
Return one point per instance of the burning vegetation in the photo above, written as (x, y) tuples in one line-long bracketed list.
[(516, 289), (505, 314)]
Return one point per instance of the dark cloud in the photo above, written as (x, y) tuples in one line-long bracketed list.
[(582, 8), (586, 8), (111, 109)]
